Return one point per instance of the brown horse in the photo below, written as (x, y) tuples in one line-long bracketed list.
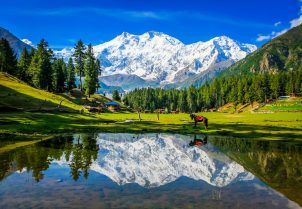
[(200, 118)]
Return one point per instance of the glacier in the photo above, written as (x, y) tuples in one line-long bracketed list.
[(158, 57)]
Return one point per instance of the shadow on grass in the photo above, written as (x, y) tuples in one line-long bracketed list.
[(45, 123), (79, 100), (15, 99), (66, 122)]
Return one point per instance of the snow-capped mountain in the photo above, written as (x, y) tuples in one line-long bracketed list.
[(153, 160), (157, 57), (64, 53), (28, 42)]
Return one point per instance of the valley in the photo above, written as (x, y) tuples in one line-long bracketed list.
[(151, 104)]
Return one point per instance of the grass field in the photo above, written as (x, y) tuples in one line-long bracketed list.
[(16, 94), (276, 126), (291, 104)]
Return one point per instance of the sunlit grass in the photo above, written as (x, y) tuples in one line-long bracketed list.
[(15, 93), (274, 126), (281, 125)]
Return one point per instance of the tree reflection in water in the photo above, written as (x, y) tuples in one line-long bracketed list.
[(80, 150), (278, 164)]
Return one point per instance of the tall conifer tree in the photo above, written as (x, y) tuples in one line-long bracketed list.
[(23, 65), (8, 60), (40, 67), (90, 82), (59, 77), (70, 75), (79, 55)]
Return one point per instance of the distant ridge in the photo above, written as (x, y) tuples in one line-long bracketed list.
[(14, 42)]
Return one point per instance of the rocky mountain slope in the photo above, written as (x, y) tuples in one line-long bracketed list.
[(280, 54), (14, 42)]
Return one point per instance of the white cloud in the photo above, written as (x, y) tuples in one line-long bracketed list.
[(142, 14), (296, 22), (293, 23), (262, 38)]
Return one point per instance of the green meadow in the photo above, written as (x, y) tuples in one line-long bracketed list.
[(38, 114), (274, 126)]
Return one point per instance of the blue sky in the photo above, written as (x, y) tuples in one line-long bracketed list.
[(63, 22)]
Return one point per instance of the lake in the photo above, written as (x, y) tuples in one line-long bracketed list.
[(107, 170)]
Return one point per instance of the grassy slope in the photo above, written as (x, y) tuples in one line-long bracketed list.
[(291, 104), (15, 93)]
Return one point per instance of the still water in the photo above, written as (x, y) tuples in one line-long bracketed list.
[(151, 171)]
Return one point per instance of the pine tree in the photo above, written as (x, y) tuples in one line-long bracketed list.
[(275, 86), (32, 52), (70, 75), (58, 68), (40, 67), (182, 101), (266, 87), (116, 95), (191, 99), (23, 65), (206, 96), (90, 82), (98, 73), (8, 60), (79, 55), (239, 90)]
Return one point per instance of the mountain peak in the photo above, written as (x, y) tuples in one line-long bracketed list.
[(223, 40), (125, 34), (161, 59), (28, 42), (149, 34), (154, 33)]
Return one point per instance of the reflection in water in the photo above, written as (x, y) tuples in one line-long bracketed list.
[(79, 150), (84, 151), (155, 160), (162, 170), (277, 164), (199, 141)]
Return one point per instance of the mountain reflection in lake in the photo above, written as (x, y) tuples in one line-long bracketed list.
[(151, 171)]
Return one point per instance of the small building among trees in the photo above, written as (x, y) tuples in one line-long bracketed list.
[(113, 106)]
